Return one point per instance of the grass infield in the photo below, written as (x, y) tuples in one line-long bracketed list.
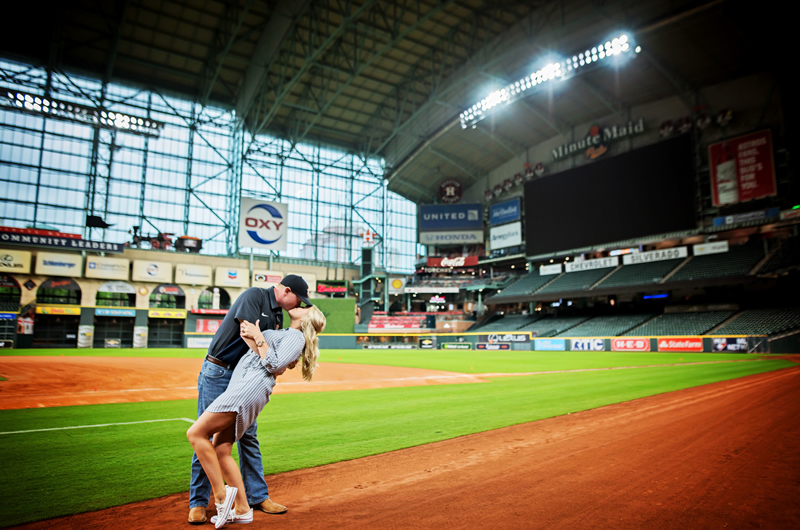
[(126, 463)]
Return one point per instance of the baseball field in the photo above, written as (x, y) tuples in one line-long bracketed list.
[(93, 438)]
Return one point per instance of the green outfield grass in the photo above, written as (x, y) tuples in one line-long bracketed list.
[(58, 472)]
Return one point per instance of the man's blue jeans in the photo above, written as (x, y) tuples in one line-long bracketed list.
[(212, 381)]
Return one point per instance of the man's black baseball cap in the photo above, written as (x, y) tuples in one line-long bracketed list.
[(298, 286)]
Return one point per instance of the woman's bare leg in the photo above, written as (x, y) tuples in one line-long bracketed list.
[(198, 434), (223, 443)]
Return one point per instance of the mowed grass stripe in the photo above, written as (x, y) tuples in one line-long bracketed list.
[(121, 464)]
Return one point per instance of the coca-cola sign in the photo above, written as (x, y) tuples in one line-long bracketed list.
[(461, 261)]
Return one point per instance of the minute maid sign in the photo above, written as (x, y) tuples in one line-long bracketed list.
[(596, 142), (263, 224)]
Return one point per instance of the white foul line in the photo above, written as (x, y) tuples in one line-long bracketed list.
[(98, 425)]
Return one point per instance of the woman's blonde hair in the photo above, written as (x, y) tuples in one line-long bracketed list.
[(313, 323)]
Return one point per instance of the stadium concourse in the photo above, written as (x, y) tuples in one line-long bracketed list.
[(598, 197)]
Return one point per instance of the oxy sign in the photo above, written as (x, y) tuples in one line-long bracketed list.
[(587, 345), (263, 224)]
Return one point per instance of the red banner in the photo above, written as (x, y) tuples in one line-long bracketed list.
[(680, 344), (37, 232), (209, 311), (461, 261), (208, 325), (742, 169), (394, 325), (638, 344), (323, 288)]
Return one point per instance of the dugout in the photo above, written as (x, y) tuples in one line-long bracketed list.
[(57, 315), (10, 295), (167, 317)]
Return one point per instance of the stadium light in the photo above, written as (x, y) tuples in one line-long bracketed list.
[(553, 71), (95, 116)]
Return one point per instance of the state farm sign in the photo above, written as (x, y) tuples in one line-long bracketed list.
[(630, 344), (461, 261), (680, 344)]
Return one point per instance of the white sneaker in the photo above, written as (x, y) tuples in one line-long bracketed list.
[(224, 509), (234, 518)]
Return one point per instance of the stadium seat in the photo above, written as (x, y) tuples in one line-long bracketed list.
[(738, 261), (606, 326), (693, 323), (762, 322)]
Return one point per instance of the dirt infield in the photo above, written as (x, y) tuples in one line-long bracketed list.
[(35, 382), (719, 455)]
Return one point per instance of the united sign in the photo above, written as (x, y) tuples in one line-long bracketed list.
[(263, 224)]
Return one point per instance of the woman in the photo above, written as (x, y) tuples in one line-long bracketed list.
[(229, 416)]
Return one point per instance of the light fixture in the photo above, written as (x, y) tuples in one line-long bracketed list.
[(553, 71), (94, 116)]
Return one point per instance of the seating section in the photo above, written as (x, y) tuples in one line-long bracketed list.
[(575, 281), (762, 322), (695, 323), (552, 326), (508, 323), (607, 326), (787, 257), (385, 322), (738, 261), (528, 284), (646, 273)]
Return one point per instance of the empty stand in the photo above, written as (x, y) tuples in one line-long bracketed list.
[(646, 273), (762, 322), (606, 326), (552, 326), (738, 261), (508, 323), (575, 281), (786, 257), (695, 323), (527, 284)]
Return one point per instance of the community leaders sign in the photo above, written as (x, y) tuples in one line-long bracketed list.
[(263, 224)]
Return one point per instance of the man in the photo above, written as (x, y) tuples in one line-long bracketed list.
[(255, 304)]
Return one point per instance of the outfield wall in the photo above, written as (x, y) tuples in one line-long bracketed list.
[(527, 342)]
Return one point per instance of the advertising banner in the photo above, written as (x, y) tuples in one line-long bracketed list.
[(396, 285), (505, 337), (140, 336), (550, 344), (266, 279), (738, 344), (231, 277), (166, 313), (199, 342), (504, 212), (207, 325), (680, 344), (505, 236), (40, 310), (742, 169), (15, 261), (638, 344), (116, 287), (327, 288), (107, 268), (757, 215), (431, 289), (547, 270), (152, 271), (58, 264), (263, 224), (85, 336), (114, 312), (591, 264), (719, 247), (192, 274), (394, 325), (655, 255), (399, 346), (433, 217), (427, 343), (456, 346), (587, 345), (451, 238), (492, 346), (58, 242), (460, 261)]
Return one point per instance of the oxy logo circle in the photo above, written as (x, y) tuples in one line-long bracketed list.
[(7, 258), (263, 221), (152, 269)]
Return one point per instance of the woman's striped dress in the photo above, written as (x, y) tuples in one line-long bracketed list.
[(252, 380)]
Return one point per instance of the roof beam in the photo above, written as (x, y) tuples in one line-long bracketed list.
[(280, 23), (473, 172)]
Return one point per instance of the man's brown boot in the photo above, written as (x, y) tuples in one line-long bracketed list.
[(270, 507), (197, 515)]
